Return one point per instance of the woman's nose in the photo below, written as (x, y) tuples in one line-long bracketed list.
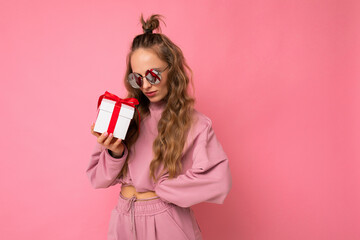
[(146, 83)]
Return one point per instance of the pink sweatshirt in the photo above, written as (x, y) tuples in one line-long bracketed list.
[(205, 175)]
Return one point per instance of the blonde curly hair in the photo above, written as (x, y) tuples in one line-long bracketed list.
[(176, 119)]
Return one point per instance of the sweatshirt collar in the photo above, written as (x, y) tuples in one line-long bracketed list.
[(157, 106)]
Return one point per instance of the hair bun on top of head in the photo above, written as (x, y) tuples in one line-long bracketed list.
[(151, 23), (148, 30)]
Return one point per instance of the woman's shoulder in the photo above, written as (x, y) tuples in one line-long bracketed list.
[(201, 123), (201, 118)]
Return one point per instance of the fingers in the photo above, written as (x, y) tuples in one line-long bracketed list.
[(102, 138), (117, 142), (111, 140), (106, 139)]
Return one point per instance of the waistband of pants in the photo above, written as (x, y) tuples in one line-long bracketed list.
[(142, 206)]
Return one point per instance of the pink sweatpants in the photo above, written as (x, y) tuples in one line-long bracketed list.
[(138, 219)]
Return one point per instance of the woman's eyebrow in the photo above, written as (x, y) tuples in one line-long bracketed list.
[(156, 68)]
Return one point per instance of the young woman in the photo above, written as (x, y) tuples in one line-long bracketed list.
[(174, 162)]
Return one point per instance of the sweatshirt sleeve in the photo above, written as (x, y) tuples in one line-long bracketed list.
[(208, 180), (103, 169)]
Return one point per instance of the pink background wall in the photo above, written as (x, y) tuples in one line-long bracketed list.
[(279, 79)]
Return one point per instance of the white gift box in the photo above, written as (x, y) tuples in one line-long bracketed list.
[(104, 114)]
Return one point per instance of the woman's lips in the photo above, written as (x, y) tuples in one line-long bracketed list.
[(150, 94)]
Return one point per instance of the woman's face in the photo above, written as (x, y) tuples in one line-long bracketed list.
[(143, 59)]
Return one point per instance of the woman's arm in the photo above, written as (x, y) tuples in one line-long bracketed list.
[(208, 180), (103, 168)]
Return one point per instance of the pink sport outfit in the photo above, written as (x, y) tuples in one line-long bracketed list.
[(205, 177)]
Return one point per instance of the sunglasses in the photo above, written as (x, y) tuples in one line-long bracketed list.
[(152, 75)]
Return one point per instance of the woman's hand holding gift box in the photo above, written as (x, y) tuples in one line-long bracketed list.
[(112, 122), (109, 142)]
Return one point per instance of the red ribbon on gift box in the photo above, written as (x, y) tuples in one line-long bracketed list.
[(114, 117)]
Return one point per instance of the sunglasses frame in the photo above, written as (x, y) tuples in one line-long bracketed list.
[(140, 77)]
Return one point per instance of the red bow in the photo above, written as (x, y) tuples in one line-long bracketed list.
[(114, 117)]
